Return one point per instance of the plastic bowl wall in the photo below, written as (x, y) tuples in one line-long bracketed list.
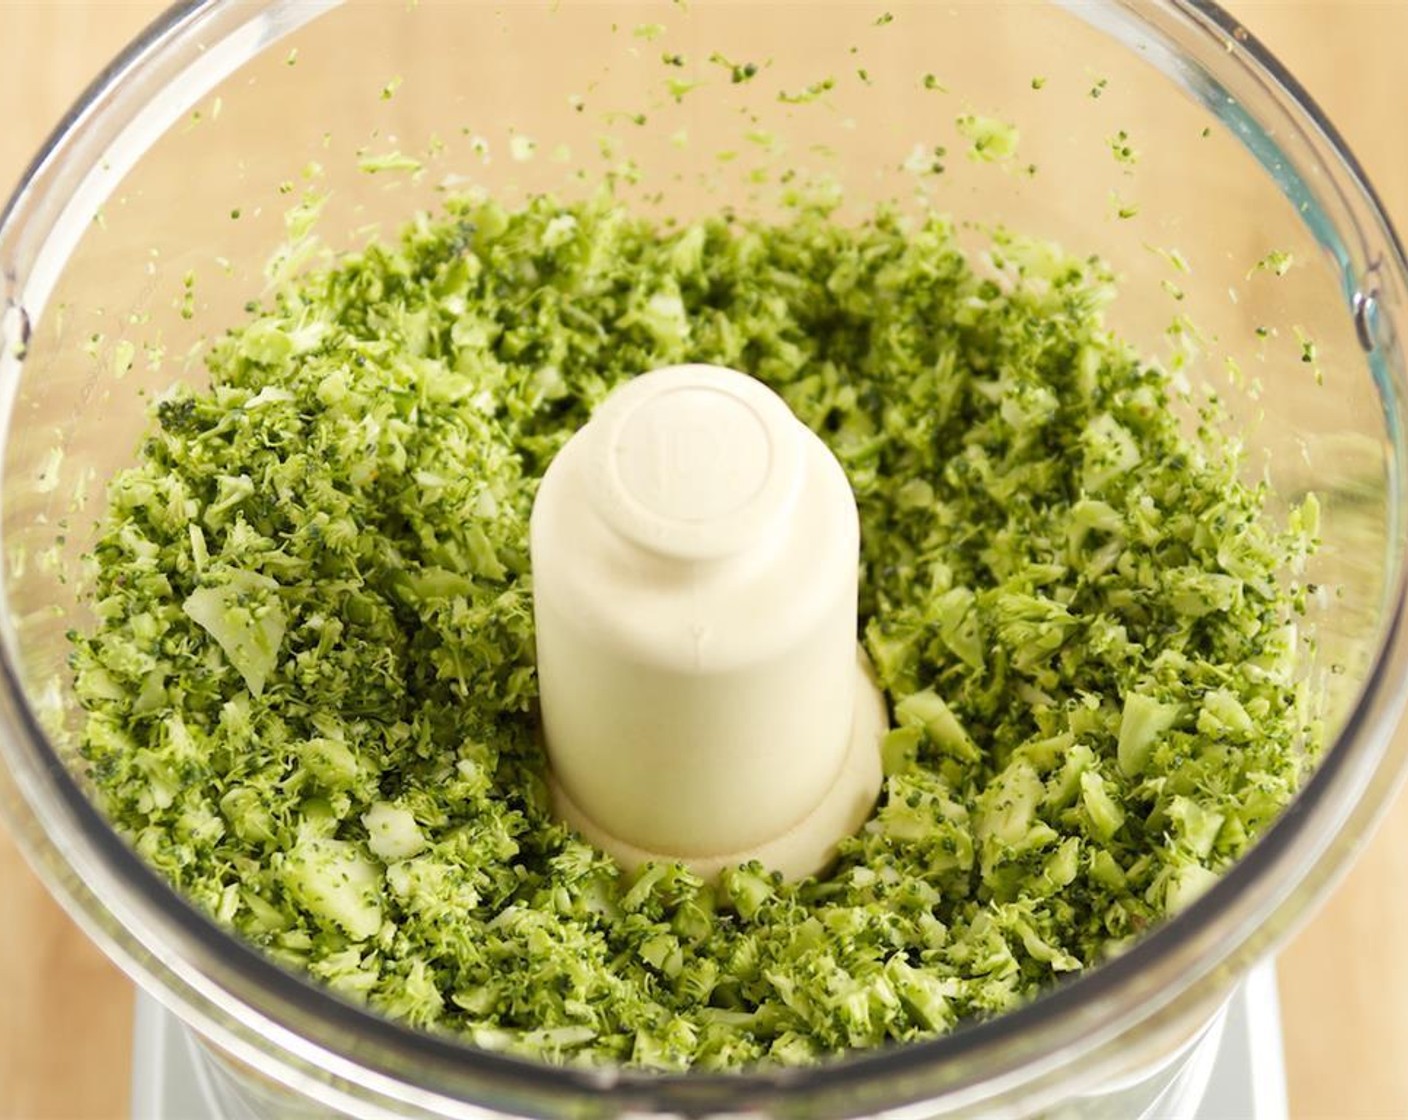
[(149, 220)]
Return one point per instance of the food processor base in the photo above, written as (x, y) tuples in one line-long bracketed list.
[(172, 1079), (1249, 1074)]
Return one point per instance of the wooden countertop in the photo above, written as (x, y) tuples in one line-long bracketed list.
[(65, 1012)]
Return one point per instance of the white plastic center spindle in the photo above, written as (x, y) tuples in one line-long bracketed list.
[(695, 555)]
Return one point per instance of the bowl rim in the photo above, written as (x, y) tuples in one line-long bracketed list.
[(1078, 1011)]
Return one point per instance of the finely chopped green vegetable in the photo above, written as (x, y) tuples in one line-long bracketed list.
[(310, 685)]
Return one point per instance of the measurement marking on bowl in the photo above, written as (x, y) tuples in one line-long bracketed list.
[(16, 329), (1366, 306)]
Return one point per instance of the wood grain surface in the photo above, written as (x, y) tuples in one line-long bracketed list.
[(65, 1012)]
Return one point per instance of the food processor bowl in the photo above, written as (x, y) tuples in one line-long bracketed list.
[(1159, 136)]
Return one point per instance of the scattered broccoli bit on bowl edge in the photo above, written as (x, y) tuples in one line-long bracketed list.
[(309, 688)]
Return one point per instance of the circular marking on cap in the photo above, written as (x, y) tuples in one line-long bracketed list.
[(692, 454), (696, 461)]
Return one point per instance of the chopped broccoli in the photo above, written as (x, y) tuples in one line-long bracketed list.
[(336, 883), (990, 139), (310, 684), (1144, 719), (248, 631)]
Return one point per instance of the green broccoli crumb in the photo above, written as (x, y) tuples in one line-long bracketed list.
[(1121, 148), (990, 140), (1278, 262)]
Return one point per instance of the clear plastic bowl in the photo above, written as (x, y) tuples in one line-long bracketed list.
[(220, 103)]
